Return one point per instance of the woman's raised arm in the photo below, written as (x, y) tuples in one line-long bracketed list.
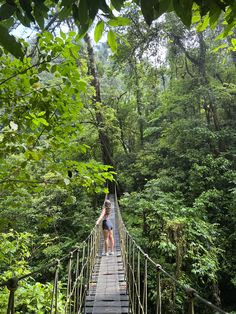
[(101, 216)]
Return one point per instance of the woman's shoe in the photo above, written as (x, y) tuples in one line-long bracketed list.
[(105, 254), (112, 253)]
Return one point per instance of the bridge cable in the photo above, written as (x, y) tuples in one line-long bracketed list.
[(126, 239)]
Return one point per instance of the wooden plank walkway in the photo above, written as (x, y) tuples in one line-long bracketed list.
[(107, 291)]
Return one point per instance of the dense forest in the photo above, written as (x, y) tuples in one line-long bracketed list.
[(149, 107)]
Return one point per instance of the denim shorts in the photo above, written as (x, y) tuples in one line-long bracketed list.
[(107, 225)]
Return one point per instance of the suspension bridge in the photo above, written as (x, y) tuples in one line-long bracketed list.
[(97, 284)]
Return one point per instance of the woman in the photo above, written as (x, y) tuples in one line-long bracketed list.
[(107, 227)]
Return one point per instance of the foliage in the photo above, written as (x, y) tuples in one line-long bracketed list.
[(84, 13), (168, 109), (48, 119), (30, 296), (176, 236), (48, 177)]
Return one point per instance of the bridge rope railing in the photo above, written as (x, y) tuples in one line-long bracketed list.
[(79, 263), (137, 264)]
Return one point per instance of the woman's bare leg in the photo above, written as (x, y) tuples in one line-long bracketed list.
[(111, 238), (106, 235)]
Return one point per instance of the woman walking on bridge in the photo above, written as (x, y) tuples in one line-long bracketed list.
[(107, 227)]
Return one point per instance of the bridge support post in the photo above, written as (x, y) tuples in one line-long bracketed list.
[(76, 295), (129, 274), (133, 281), (69, 285), (12, 285), (138, 278), (158, 301), (55, 289), (145, 285), (191, 297)]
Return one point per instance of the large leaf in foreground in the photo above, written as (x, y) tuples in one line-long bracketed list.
[(10, 44)]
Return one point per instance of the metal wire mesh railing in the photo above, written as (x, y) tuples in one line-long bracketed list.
[(79, 263), (140, 270)]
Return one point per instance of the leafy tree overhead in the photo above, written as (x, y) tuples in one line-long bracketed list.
[(44, 13)]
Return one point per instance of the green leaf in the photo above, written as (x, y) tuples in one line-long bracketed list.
[(203, 24), (161, 7), (23, 18), (40, 11), (214, 16), (83, 12), (53, 68), (64, 13), (196, 18), (111, 39), (42, 113), (105, 8), (220, 47), (147, 10), (75, 12), (66, 3), (227, 32), (10, 44), (82, 31), (117, 4), (233, 41), (119, 21), (123, 39), (82, 85), (26, 6), (33, 155), (183, 9), (42, 121), (98, 31), (93, 9), (45, 92), (8, 23), (63, 35), (70, 199), (6, 11)]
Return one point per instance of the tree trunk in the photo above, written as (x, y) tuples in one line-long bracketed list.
[(139, 105), (106, 148)]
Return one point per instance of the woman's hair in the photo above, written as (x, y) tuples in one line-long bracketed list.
[(107, 205)]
